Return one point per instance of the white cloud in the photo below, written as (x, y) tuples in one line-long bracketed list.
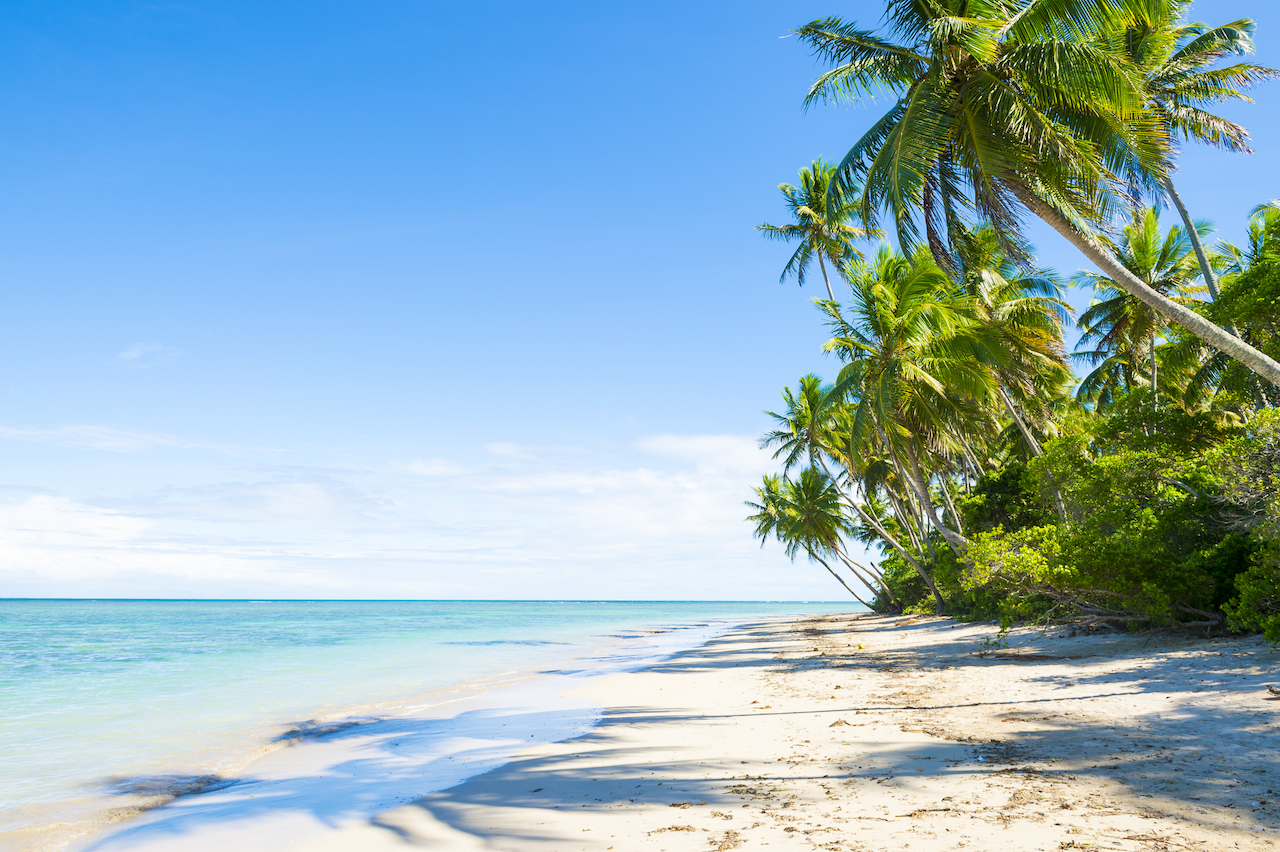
[(54, 539), (711, 452), (436, 467), (144, 355), (508, 449), (534, 522), (85, 437)]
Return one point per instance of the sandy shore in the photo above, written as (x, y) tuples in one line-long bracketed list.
[(845, 733)]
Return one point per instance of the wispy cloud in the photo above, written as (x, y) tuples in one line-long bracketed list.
[(85, 437), (436, 467), (143, 355), (710, 452), (664, 519)]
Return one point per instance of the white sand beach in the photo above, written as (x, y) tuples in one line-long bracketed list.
[(832, 732)]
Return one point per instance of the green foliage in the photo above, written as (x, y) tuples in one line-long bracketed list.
[(1148, 537), (1248, 471), (906, 583), (951, 438), (1258, 605), (1001, 499)]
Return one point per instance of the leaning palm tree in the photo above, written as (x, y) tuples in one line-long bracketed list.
[(1026, 311), (1117, 325), (1176, 59), (1004, 105), (810, 431), (806, 524), (913, 352), (823, 225), (815, 519)]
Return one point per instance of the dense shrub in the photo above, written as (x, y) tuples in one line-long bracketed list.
[(1163, 526)]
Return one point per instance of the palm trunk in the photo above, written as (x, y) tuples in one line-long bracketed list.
[(871, 521), (1206, 269), (971, 456), (1036, 449), (1216, 336), (951, 507), (867, 518), (908, 511), (825, 279), (870, 577), (904, 518), (840, 579), (957, 541)]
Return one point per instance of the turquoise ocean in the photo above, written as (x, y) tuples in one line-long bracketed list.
[(101, 700)]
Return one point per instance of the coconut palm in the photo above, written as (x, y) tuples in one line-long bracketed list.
[(1004, 105), (1122, 329), (813, 516), (805, 519), (810, 431), (1176, 60), (1026, 311), (1261, 241), (913, 352), (823, 225)]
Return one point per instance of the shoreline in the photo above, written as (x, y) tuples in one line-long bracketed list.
[(882, 733), (836, 732), (181, 696), (425, 745)]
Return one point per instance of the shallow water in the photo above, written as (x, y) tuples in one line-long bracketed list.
[(101, 698)]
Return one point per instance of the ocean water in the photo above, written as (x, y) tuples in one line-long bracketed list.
[(107, 702)]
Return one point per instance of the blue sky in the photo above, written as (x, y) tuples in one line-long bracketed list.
[(413, 299)]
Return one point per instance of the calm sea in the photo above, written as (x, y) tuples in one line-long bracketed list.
[(97, 697)]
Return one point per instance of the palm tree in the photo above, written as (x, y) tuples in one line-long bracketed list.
[(1026, 311), (806, 519), (808, 431), (1261, 241), (823, 224), (1123, 329), (1176, 61), (913, 350), (1001, 106)]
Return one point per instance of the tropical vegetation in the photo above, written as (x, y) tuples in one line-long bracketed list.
[(955, 442)]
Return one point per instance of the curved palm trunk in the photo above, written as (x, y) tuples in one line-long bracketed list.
[(869, 578), (906, 519), (825, 279), (951, 507), (1036, 449), (972, 456), (840, 579), (1210, 279), (871, 521), (1217, 337), (938, 606), (957, 541)]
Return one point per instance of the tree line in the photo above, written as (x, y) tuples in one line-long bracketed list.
[(956, 438)]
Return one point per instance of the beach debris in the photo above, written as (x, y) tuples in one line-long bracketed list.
[(837, 723), (1274, 690), (681, 805), (673, 828)]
